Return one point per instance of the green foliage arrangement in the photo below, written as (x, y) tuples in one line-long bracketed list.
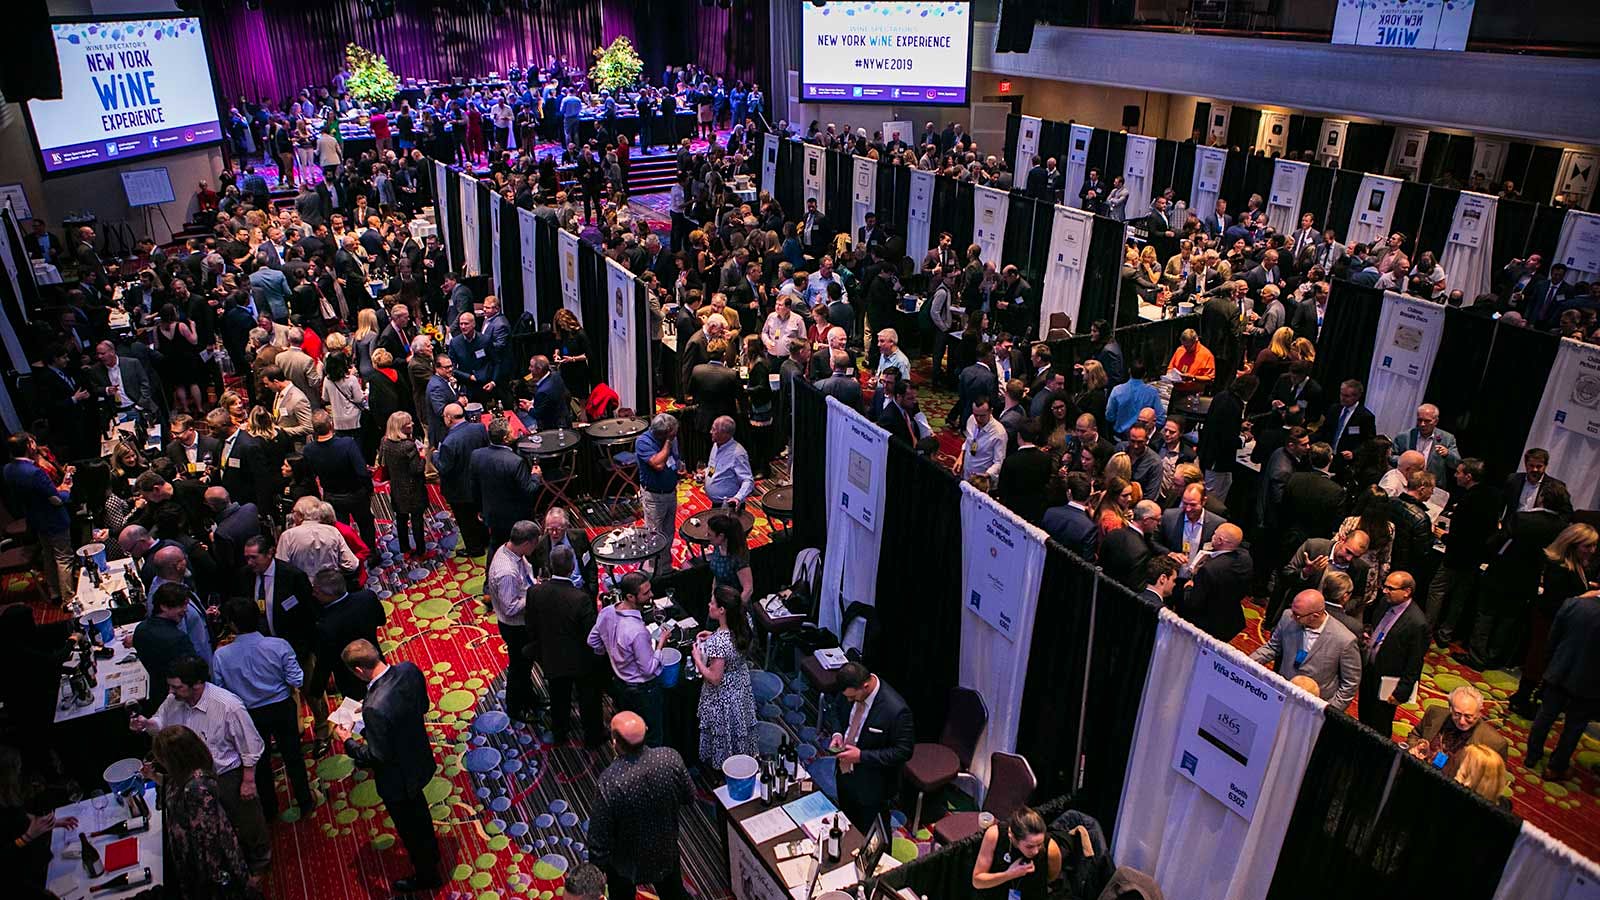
[(617, 67), (370, 78)]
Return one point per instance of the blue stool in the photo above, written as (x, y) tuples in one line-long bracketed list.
[(766, 686)]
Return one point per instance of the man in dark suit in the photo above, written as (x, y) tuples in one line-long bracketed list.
[(1396, 642), (128, 390), (1543, 298), (872, 746), (451, 458), (233, 524), (1071, 524), (1158, 222), (443, 389), (1304, 238), (1125, 553), (1313, 503), (1034, 184), (1305, 318), (396, 337), (815, 231), (1297, 397), (394, 744), (345, 616), (193, 454), (1189, 526), (1024, 475), (1571, 683), (1535, 488), (895, 417), (1213, 598), (1264, 274), (716, 391), (839, 385), (1348, 424), (242, 461), (559, 617), (1412, 549), (976, 380), (871, 235), (1474, 510), (557, 534), (549, 407), (504, 485), (1219, 440), (283, 593), (1216, 224)]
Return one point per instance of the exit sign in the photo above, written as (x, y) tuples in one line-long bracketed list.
[(1005, 87)]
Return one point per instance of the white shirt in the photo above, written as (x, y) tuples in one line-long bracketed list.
[(509, 578), (114, 374), (1530, 494), (221, 721), (313, 546), (1393, 483), (780, 332), (985, 450), (1193, 533), (263, 589), (1309, 636)]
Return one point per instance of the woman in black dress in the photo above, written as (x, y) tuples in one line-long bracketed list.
[(401, 456), (1017, 859), (181, 362), (572, 354)]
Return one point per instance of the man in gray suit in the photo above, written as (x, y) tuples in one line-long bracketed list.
[(1310, 642), (1189, 527), (839, 385), (1315, 557), (1434, 443)]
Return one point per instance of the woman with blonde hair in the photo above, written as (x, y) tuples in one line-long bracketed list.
[(1302, 350), (401, 455), (1483, 772), (364, 340), (1091, 398), (1115, 507), (1271, 363), (232, 402), (1567, 563), (571, 356)]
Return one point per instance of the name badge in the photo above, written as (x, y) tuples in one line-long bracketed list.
[(193, 468), (481, 354), (586, 559), (290, 602), (1440, 758), (1353, 429), (233, 463), (1300, 658)]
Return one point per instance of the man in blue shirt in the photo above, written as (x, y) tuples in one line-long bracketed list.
[(172, 567), (571, 109), (660, 466), (262, 671), (1127, 398), (729, 480), (31, 494)]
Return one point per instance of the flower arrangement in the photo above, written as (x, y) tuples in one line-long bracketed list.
[(617, 67), (370, 78)]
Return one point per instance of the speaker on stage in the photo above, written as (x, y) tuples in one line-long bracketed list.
[(1017, 18), (1130, 117)]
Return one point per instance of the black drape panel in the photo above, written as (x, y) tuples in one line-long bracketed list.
[(1503, 408), (1408, 212), (1233, 183), (644, 342), (944, 216), (1546, 231), (1116, 152), (1349, 330), (596, 311), (1162, 175), (840, 197), (1518, 157), (891, 203), (1317, 191), (1513, 222), (1043, 223), (1099, 139), (1433, 156), (918, 641), (1053, 140), (1257, 180), (963, 224), (1353, 835), (453, 201), (791, 178), (485, 230), (1540, 182), (1201, 127), (1183, 172), (1458, 372), (509, 290), (1124, 639), (1052, 696), (808, 465), (1102, 272), (548, 269), (1366, 147), (1014, 128), (1342, 200), (1305, 133), (1438, 213), (1016, 247), (1244, 124)]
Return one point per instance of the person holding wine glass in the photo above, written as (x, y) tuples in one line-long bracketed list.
[(204, 859), (727, 701), (26, 837)]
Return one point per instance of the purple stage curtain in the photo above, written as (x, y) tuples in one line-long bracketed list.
[(274, 52)]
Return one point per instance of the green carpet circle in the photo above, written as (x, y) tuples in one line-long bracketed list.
[(335, 768), (456, 701), (365, 794), (436, 790)]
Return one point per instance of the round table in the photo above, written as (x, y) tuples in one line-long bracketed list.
[(556, 451), (628, 544), (778, 504), (611, 439), (550, 442), (696, 530)]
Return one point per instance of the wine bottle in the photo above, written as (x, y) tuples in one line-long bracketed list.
[(835, 837), (91, 856)]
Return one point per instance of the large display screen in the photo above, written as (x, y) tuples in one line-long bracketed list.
[(129, 88), (896, 52)]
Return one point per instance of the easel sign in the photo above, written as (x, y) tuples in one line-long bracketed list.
[(14, 195)]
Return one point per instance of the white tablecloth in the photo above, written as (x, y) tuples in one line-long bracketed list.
[(123, 681), (66, 878), (44, 273)]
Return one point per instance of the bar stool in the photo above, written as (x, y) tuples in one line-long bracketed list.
[(1011, 781), (933, 766)]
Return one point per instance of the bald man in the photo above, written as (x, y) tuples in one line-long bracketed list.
[(1308, 642), (1407, 464), (633, 827), (172, 567), (1213, 597)]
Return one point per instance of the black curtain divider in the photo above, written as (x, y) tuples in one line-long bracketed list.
[(1513, 223), (1053, 140), (1244, 124), (918, 643), (1125, 638), (1200, 128), (889, 203), (1102, 272), (452, 183), (1044, 221), (1099, 139), (963, 224), (1366, 147), (1232, 188), (1116, 153), (807, 464), (1153, 342), (1354, 834), (1408, 212), (841, 194), (1183, 173), (1457, 374), (1438, 214), (1503, 408), (1016, 246), (1014, 128), (790, 186), (509, 289), (547, 269), (1519, 155), (644, 351), (1257, 179), (1546, 232), (1316, 193), (1052, 694), (1162, 175), (1349, 331), (1540, 181), (1342, 199), (596, 311), (485, 231), (1433, 156), (943, 215), (1305, 133)]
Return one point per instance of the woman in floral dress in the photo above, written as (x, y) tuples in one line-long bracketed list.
[(727, 705), (204, 860)]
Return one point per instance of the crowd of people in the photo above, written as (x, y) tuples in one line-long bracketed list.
[(228, 405)]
